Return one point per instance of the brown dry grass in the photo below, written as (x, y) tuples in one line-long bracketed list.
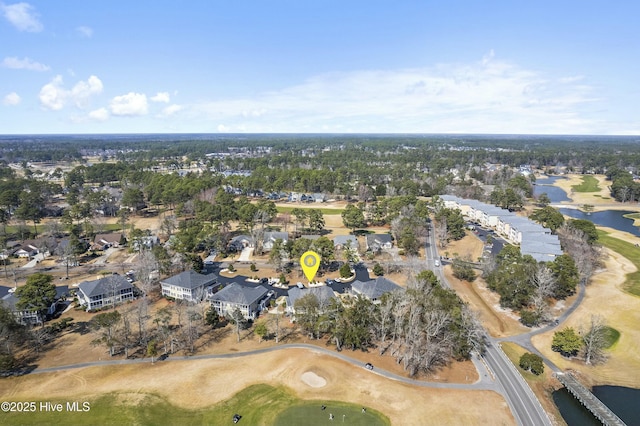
[(621, 311), (200, 383)]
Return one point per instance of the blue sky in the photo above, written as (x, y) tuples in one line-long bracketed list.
[(544, 67)]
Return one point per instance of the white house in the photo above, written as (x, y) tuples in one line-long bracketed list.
[(188, 285), (233, 296), (107, 291)]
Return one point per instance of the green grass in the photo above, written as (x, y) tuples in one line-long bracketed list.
[(312, 414), (589, 184), (631, 252), (611, 336), (328, 211), (258, 405)]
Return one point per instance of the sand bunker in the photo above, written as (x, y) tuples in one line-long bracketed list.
[(313, 380)]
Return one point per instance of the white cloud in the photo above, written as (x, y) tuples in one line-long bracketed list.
[(131, 104), (222, 128), (54, 96), (161, 97), (99, 114), (488, 96), (23, 64), (171, 110), (85, 31), (22, 16), (11, 99)]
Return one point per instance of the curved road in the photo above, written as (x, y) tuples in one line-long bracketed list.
[(524, 405), (481, 384)]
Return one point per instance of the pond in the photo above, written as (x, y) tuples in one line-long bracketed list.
[(545, 185), (610, 218), (622, 401)]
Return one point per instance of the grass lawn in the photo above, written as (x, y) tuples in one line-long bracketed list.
[(611, 336), (313, 414), (327, 211), (631, 252), (257, 404), (589, 184)]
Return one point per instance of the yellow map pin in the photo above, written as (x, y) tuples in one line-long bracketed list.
[(310, 262)]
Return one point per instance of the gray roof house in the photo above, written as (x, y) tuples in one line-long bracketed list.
[(271, 237), (340, 241), (233, 296), (376, 242), (374, 289), (106, 291), (29, 316), (323, 293), (188, 285), (239, 242)]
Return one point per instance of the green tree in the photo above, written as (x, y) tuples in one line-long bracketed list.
[(463, 270), (316, 220), (325, 249), (532, 362), (353, 217), (152, 350), (567, 342), (105, 325), (548, 217), (133, 198), (31, 208), (345, 271), (544, 200), (378, 270), (211, 317), (261, 330), (587, 227), (566, 274), (37, 294)]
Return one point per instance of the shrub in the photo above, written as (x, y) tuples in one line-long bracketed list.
[(253, 267), (231, 268), (529, 318), (532, 362), (345, 271), (378, 270), (463, 271)]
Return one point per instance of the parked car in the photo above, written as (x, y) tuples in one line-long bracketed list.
[(437, 262), (368, 366)]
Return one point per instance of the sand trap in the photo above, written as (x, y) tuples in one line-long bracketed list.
[(313, 380)]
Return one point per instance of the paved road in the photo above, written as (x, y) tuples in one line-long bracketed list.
[(524, 405), (481, 384)]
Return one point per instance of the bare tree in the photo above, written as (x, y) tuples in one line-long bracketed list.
[(544, 283), (594, 339)]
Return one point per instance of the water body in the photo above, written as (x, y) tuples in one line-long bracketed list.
[(622, 401), (611, 218), (555, 194)]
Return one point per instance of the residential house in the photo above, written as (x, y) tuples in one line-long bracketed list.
[(377, 242), (233, 296), (105, 241), (240, 242), (318, 197), (188, 285), (271, 237), (145, 243), (106, 291), (30, 316), (341, 241), (374, 289), (323, 293)]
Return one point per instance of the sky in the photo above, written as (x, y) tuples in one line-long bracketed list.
[(322, 66)]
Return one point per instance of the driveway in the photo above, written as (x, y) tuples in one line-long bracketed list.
[(245, 256)]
